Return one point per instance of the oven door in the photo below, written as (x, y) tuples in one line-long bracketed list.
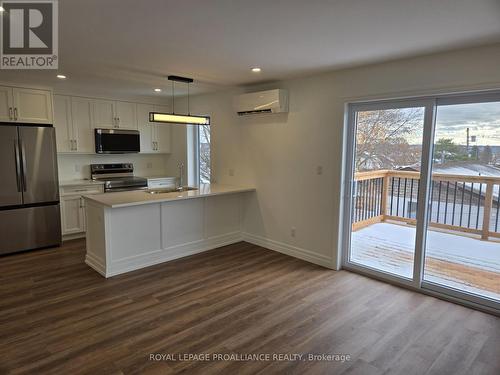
[(117, 141)]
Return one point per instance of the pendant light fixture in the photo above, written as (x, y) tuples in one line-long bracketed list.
[(173, 118)]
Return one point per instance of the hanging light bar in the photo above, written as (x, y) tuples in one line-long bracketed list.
[(178, 119), (173, 118)]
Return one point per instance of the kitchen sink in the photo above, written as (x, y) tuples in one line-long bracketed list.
[(171, 190)]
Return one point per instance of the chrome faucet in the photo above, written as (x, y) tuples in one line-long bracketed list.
[(181, 176)]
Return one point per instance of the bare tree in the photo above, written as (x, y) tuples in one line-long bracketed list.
[(204, 141), (382, 138)]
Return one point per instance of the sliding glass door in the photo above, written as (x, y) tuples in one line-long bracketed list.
[(387, 158), (444, 151), (462, 253)]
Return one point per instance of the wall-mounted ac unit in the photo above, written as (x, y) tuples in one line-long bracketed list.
[(270, 101)]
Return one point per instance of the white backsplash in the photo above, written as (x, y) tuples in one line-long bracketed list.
[(75, 167)]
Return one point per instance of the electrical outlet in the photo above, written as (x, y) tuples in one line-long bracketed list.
[(149, 165), (231, 172), (292, 231), (319, 170)]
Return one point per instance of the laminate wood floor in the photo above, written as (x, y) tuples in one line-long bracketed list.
[(57, 316)]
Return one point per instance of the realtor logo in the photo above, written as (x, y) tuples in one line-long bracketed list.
[(29, 37)]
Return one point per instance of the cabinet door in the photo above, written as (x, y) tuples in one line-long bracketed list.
[(72, 214), (6, 105), (162, 133), (82, 124), (104, 114), (63, 123), (33, 106), (126, 115), (145, 127)]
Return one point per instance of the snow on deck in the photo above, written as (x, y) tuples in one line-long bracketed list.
[(456, 261)]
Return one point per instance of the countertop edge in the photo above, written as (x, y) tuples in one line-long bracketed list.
[(236, 190)]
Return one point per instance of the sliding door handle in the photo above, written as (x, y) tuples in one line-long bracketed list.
[(18, 165), (23, 159)]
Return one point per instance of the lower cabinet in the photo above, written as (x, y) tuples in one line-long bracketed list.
[(73, 213)]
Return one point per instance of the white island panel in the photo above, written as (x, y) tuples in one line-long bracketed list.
[(183, 222), (134, 231)]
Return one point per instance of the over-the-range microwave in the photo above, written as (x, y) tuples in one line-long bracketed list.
[(117, 141)]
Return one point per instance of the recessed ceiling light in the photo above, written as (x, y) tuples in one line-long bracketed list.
[(157, 90), (256, 70), (2, 9), (61, 76)]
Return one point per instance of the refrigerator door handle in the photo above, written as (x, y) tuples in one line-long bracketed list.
[(18, 165), (23, 158)]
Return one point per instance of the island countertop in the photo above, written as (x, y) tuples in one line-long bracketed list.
[(139, 197)]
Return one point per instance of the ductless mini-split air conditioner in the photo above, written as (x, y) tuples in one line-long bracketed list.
[(270, 101)]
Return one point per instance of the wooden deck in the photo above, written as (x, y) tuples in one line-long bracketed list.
[(390, 246), (57, 316)]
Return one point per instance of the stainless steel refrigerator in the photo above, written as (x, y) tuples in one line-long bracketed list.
[(29, 191)]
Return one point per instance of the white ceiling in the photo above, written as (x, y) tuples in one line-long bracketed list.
[(129, 46)]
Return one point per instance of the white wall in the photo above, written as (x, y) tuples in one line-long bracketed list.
[(279, 154)]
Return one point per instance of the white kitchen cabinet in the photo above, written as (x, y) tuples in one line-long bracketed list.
[(63, 123), (114, 114), (145, 127), (162, 133), (25, 105), (125, 113), (73, 124), (32, 106), (155, 138), (72, 214), (81, 109), (104, 113), (6, 104)]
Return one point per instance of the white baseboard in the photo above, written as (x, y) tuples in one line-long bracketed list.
[(69, 237), (164, 255), (95, 263), (290, 250)]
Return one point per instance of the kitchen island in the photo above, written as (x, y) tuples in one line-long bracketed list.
[(130, 230)]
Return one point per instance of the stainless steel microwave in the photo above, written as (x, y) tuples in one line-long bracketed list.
[(117, 141)]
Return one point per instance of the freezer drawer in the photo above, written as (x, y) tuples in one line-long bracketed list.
[(29, 228)]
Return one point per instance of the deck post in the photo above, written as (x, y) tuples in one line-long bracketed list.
[(488, 203), (385, 191)]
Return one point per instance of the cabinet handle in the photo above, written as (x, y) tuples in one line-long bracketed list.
[(10, 114), (15, 114), (76, 145), (81, 202)]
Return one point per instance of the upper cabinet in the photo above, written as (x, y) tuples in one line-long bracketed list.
[(163, 133), (126, 115), (81, 110), (104, 113), (73, 124), (6, 104), (63, 123), (114, 114), (25, 105), (155, 138), (145, 127)]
